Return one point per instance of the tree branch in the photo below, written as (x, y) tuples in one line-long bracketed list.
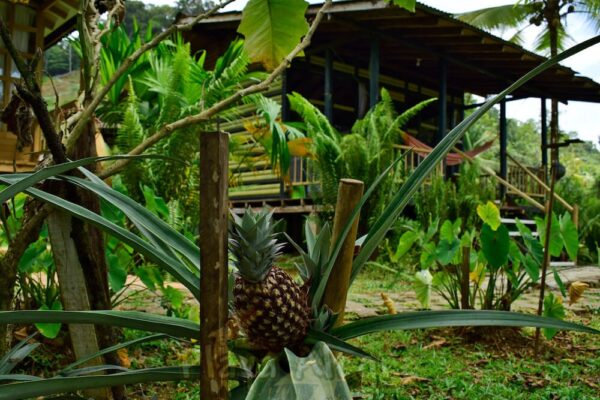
[(87, 113), (223, 104)]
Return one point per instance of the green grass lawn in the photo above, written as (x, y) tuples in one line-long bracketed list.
[(430, 364)]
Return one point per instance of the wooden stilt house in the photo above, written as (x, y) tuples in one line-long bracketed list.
[(364, 45), (34, 24)]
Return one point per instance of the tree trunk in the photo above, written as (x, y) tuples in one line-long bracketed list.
[(74, 293), (89, 242)]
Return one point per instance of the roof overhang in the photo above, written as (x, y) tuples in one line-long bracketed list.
[(413, 45), (58, 17)]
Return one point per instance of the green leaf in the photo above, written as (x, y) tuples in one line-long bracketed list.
[(407, 4), (17, 354), (536, 249), (570, 237), (387, 218), (450, 231), (315, 336), (117, 270), (439, 319), (495, 245), (45, 387), (556, 241), (177, 327), (559, 282), (447, 250), (50, 331), (553, 308), (422, 286), (532, 268), (317, 376), (406, 241), (272, 28), (174, 266), (489, 214), (428, 255)]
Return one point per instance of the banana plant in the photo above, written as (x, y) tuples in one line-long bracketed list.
[(178, 256)]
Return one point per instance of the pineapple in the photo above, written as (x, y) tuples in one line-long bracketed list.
[(271, 307)]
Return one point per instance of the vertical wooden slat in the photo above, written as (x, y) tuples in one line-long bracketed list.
[(213, 279), (374, 69), (349, 194), (328, 87)]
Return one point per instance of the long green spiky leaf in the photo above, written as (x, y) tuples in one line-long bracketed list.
[(177, 327), (139, 215), (54, 170), (336, 344), (169, 264), (24, 390), (111, 349), (416, 179), (438, 319)]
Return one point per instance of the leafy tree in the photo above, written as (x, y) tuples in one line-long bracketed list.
[(193, 7), (552, 15), (145, 15), (61, 59)]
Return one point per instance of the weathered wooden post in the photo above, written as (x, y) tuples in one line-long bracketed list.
[(213, 257), (349, 194), (74, 292)]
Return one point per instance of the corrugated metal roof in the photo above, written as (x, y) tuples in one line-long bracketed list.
[(413, 45)]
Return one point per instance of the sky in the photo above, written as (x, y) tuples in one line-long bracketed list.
[(580, 117)]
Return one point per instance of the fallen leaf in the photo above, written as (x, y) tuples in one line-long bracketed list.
[(435, 344), (576, 291), (409, 380), (389, 304)]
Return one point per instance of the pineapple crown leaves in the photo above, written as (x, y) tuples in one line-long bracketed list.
[(253, 243), (316, 257), (325, 319)]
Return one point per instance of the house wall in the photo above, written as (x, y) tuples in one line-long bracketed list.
[(26, 27)]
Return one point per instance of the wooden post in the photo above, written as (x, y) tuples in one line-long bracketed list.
[(349, 194), (465, 278), (503, 147), (442, 101), (213, 258), (544, 139), (73, 292)]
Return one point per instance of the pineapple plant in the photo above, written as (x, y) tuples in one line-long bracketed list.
[(272, 308)]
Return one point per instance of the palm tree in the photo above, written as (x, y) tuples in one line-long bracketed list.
[(552, 14)]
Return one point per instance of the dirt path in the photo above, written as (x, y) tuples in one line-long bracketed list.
[(370, 304)]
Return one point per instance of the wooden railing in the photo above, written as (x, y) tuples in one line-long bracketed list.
[(413, 156), (524, 180)]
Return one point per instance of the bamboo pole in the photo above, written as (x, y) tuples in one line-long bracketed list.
[(562, 201), (213, 257), (349, 195), (492, 173)]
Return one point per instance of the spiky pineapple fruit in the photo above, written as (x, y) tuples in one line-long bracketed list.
[(271, 307)]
